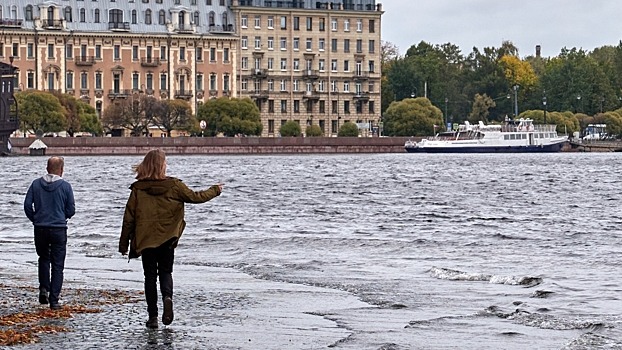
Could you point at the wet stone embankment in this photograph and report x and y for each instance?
(210, 145)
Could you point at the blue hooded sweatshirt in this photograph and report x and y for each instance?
(49, 202)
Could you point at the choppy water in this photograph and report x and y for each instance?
(450, 251)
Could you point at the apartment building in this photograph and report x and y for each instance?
(103, 50)
(314, 62)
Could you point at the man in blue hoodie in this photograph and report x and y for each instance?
(49, 203)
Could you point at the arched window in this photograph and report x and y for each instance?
(162, 17)
(97, 16)
(28, 13)
(196, 18)
(51, 13)
(222, 2)
(134, 17)
(148, 16)
(82, 15)
(1, 12)
(14, 12)
(115, 16)
(182, 18)
(212, 19)
(68, 14)
(225, 21)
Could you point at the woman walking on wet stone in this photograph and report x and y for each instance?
(152, 225)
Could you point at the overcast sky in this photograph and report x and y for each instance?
(552, 24)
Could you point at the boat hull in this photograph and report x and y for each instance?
(556, 147)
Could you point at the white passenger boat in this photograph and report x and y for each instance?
(513, 137)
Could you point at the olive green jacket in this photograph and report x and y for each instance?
(154, 213)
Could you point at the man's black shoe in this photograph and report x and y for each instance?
(55, 306)
(152, 322)
(43, 297)
(167, 315)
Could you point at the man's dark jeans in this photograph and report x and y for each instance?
(51, 246)
(158, 262)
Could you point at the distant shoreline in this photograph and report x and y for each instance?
(209, 145)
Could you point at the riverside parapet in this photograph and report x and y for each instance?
(210, 145)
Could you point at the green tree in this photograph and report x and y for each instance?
(348, 129)
(89, 120)
(481, 108)
(173, 115)
(230, 117)
(135, 113)
(41, 111)
(290, 128)
(313, 131)
(70, 105)
(412, 117)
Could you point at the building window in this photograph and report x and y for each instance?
(98, 51)
(257, 22)
(270, 43)
(283, 63)
(359, 46)
(333, 45)
(283, 43)
(148, 16)
(96, 14)
(333, 65)
(257, 42)
(30, 49)
(321, 44)
(98, 81)
(50, 51)
(163, 52)
(68, 16)
(225, 83)
(69, 83)
(134, 17)
(198, 52)
(244, 42)
(296, 106)
(117, 52)
(346, 107)
(309, 23)
(283, 85)
(283, 106)
(244, 85)
(372, 46)
(271, 122)
(371, 107)
(244, 63)
(372, 26)
(283, 22)
(182, 53)
(333, 24)
(30, 80)
(163, 82)
(271, 106)
(162, 17)
(296, 23)
(296, 44)
(82, 15)
(225, 55)
(135, 53)
(346, 25)
(244, 21)
(322, 106)
(212, 82)
(84, 81)
(322, 24)
(28, 13)
(149, 81)
(309, 44)
(69, 51)
(346, 45)
(270, 22)
(372, 69)
(135, 78)
(270, 63)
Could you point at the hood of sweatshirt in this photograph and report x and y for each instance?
(50, 182)
(154, 187)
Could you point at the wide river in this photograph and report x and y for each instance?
(455, 251)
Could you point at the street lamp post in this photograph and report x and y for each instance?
(602, 100)
(446, 117)
(515, 101)
(544, 104)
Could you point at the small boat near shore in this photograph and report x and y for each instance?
(513, 137)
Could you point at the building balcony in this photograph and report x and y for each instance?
(223, 29)
(259, 94)
(361, 75)
(55, 24)
(258, 73)
(310, 74)
(119, 26)
(362, 96)
(185, 28)
(149, 62)
(311, 95)
(183, 94)
(84, 60)
(118, 93)
(11, 23)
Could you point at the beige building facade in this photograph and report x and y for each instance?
(312, 62)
